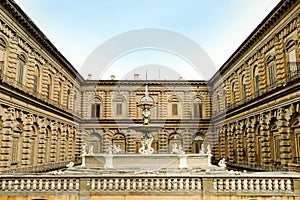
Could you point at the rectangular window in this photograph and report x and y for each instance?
(257, 85)
(48, 91)
(98, 110)
(119, 109)
(20, 75)
(174, 109)
(197, 111)
(271, 75)
(34, 84)
(245, 91)
(292, 63)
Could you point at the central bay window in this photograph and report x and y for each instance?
(96, 108)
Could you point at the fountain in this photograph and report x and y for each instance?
(115, 161)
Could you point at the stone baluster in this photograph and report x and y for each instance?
(93, 184)
(215, 185)
(122, 184)
(59, 185)
(157, 185)
(163, 184)
(110, 184)
(193, 184)
(187, 184)
(16, 185)
(22, 185)
(128, 184)
(77, 185)
(227, 184)
(152, 185)
(140, 185)
(239, 185)
(3, 185)
(99, 184)
(34, 185)
(233, 187)
(117, 184)
(9, 188)
(251, 185)
(263, 185)
(257, 185)
(276, 185)
(181, 184)
(282, 185)
(53, 185)
(71, 184)
(220, 185)
(40, 185)
(28, 185)
(175, 185)
(289, 185)
(270, 185)
(245, 184)
(104, 184)
(134, 184)
(199, 185)
(46, 185)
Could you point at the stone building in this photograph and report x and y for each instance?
(251, 118)
(256, 96)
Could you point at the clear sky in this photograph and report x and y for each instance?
(78, 27)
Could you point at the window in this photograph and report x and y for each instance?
(292, 58)
(36, 79)
(174, 109)
(68, 98)
(271, 70)
(118, 105)
(49, 87)
(256, 81)
(2, 53)
(244, 91)
(174, 106)
(233, 93)
(197, 107)
(218, 103)
(21, 69)
(59, 93)
(95, 108)
(197, 144)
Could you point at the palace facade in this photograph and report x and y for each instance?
(248, 112)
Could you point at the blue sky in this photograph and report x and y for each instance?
(78, 27)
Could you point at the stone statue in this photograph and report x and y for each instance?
(113, 149)
(91, 150)
(146, 144)
(222, 163)
(208, 149)
(146, 116)
(177, 149)
(83, 150)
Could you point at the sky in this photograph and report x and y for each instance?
(78, 28)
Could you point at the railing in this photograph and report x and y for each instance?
(258, 185)
(31, 91)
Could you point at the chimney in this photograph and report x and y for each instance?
(136, 77)
(89, 77)
(112, 77)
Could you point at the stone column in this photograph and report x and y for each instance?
(285, 143)
(42, 141)
(8, 117)
(251, 142)
(239, 143)
(265, 145)
(27, 132)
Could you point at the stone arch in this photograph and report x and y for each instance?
(174, 138)
(197, 142)
(119, 140)
(34, 143)
(174, 107)
(94, 142)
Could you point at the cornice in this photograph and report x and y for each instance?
(17, 14)
(269, 22)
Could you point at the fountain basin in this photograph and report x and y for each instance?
(146, 161)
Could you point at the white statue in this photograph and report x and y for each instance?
(146, 116)
(91, 150)
(202, 149)
(177, 149)
(113, 149)
(83, 150)
(222, 163)
(71, 164)
(208, 149)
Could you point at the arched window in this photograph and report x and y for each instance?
(174, 140)
(21, 66)
(271, 70)
(60, 94)
(16, 151)
(244, 88)
(274, 144)
(49, 87)
(256, 80)
(197, 143)
(233, 93)
(119, 141)
(95, 142)
(292, 58)
(197, 107)
(119, 106)
(34, 145)
(2, 54)
(96, 108)
(68, 98)
(174, 106)
(36, 79)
